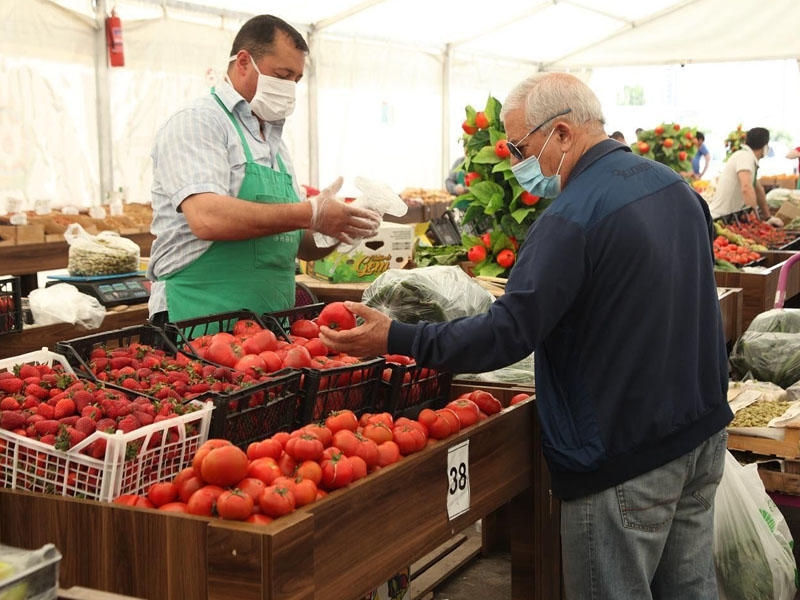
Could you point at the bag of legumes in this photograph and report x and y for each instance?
(106, 253)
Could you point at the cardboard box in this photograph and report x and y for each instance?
(788, 212)
(390, 249)
(30, 234)
(8, 235)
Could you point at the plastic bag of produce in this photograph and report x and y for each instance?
(106, 253)
(769, 350)
(64, 303)
(752, 542)
(437, 293)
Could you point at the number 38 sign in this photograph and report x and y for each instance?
(458, 480)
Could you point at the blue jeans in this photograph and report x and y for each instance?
(648, 538)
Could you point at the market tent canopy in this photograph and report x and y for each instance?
(387, 80)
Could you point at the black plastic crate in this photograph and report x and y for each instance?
(407, 389)
(10, 305)
(181, 333)
(281, 321)
(246, 417)
(252, 411)
(352, 387)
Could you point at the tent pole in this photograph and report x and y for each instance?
(313, 104)
(102, 89)
(447, 58)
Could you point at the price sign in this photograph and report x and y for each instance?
(458, 480)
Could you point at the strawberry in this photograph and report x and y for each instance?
(64, 408)
(68, 437)
(47, 411)
(49, 438)
(30, 402)
(28, 370)
(46, 426)
(129, 383)
(12, 419)
(97, 449)
(11, 385)
(144, 418)
(70, 420)
(91, 411)
(9, 403)
(106, 424)
(128, 423)
(82, 398)
(34, 389)
(86, 425)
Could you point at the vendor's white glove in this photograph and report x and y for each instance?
(338, 221)
(775, 222)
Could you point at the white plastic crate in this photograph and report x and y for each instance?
(35, 572)
(132, 460)
(37, 357)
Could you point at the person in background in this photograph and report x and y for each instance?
(227, 214)
(617, 135)
(737, 185)
(638, 131)
(454, 183)
(795, 153)
(703, 154)
(630, 360)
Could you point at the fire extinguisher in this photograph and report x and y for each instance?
(116, 54)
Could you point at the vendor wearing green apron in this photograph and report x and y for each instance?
(227, 215)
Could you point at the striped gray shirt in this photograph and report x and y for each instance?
(199, 150)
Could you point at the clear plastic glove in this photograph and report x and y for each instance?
(775, 222)
(336, 221)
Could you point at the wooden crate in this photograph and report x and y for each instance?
(339, 548)
(759, 288)
(730, 305)
(788, 447)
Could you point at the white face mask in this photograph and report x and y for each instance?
(274, 98)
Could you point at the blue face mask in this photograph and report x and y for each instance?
(529, 175)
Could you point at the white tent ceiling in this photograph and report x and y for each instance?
(553, 34)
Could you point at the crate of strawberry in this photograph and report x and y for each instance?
(248, 404)
(70, 436)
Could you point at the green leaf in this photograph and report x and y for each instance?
(487, 156)
(504, 166)
(476, 143)
(520, 214)
(486, 191)
(471, 112)
(495, 204)
(492, 109)
(490, 269)
(473, 212)
(469, 241)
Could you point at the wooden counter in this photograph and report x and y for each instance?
(338, 548)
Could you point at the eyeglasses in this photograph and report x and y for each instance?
(514, 148)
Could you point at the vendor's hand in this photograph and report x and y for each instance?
(775, 222)
(337, 219)
(368, 339)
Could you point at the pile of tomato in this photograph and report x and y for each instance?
(276, 475)
(733, 253)
(760, 232)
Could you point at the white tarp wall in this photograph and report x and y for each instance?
(71, 129)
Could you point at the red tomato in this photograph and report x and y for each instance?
(252, 364)
(388, 453)
(528, 199)
(517, 398)
(682, 155)
(359, 465)
(259, 519)
(188, 487)
(204, 449)
(252, 486)
(203, 501)
(268, 447)
(466, 410)
(265, 468)
(224, 466)
(260, 342)
(341, 419)
(337, 470)
(162, 492)
(477, 253)
(486, 239)
(481, 120)
(276, 501)
(309, 469)
(133, 500)
(318, 430)
(305, 328)
(485, 401)
(246, 327)
(305, 492)
(471, 178)
(182, 476)
(315, 347)
(378, 432)
(297, 357)
(287, 464)
(644, 147)
(470, 129)
(658, 130)
(304, 447)
(176, 506)
(235, 505)
(451, 417)
(668, 143)
(336, 316)
(501, 149)
(506, 258)
(346, 441)
(223, 353)
(409, 439)
(272, 361)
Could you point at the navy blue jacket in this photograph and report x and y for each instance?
(614, 291)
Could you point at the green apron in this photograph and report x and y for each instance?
(256, 274)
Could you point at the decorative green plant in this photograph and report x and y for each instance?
(734, 141)
(670, 144)
(496, 208)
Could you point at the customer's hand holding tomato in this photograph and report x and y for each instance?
(368, 339)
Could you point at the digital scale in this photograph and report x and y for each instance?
(110, 290)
